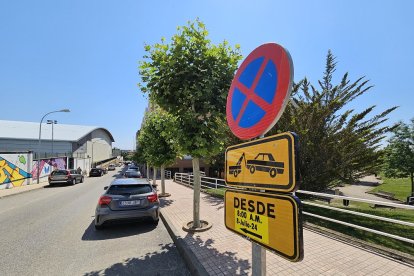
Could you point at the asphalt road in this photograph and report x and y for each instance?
(50, 231)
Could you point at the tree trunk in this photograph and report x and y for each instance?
(197, 189)
(154, 179)
(148, 171)
(163, 179)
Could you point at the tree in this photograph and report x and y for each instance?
(336, 144)
(217, 162)
(156, 142)
(399, 154)
(190, 78)
(138, 156)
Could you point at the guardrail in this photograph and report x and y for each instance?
(216, 183)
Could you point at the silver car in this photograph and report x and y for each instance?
(65, 176)
(127, 199)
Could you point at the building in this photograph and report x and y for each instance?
(61, 147)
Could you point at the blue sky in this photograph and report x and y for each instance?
(84, 54)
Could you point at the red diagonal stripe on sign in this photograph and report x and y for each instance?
(249, 92)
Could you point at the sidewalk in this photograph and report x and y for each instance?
(221, 252)
(22, 189)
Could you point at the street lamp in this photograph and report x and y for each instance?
(40, 141)
(52, 122)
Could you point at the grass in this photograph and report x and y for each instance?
(400, 187)
(216, 192)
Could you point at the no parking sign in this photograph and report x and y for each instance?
(259, 91)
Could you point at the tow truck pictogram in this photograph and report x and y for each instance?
(264, 162)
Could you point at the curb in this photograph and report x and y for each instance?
(193, 264)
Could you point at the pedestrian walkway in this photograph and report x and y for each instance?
(221, 252)
(22, 189)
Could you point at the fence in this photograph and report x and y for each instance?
(215, 183)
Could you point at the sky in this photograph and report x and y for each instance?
(84, 54)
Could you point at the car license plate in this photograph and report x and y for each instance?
(130, 203)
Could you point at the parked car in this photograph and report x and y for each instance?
(132, 174)
(127, 199)
(104, 170)
(65, 176)
(96, 172)
(111, 167)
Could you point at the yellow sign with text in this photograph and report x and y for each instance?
(267, 163)
(273, 221)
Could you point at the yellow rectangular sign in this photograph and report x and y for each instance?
(271, 220)
(267, 163)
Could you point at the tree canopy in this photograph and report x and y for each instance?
(155, 141)
(399, 154)
(337, 144)
(189, 78)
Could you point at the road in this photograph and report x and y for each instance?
(50, 231)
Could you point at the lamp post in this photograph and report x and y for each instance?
(52, 122)
(40, 140)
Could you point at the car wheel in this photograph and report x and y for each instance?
(155, 221)
(81, 181)
(272, 172)
(74, 181)
(252, 169)
(102, 174)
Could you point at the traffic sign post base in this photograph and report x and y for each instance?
(204, 226)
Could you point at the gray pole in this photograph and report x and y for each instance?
(53, 123)
(40, 141)
(92, 155)
(258, 255)
(258, 260)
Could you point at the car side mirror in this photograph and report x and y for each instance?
(106, 188)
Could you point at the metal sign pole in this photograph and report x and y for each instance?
(258, 256)
(259, 260)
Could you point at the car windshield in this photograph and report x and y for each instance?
(59, 172)
(129, 189)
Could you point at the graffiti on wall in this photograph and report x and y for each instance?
(13, 170)
(47, 166)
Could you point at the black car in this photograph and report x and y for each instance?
(96, 172)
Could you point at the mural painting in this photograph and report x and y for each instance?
(47, 166)
(13, 170)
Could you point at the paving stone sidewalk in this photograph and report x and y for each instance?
(221, 252)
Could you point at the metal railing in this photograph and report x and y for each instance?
(167, 174)
(215, 183)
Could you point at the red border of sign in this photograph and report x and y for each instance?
(284, 65)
